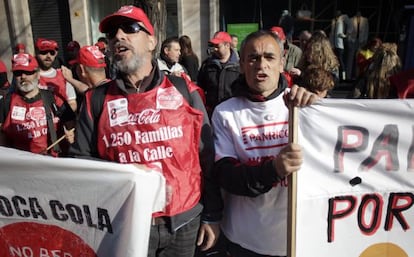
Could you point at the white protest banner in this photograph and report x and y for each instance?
(356, 187)
(65, 207)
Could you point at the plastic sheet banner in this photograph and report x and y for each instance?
(356, 188)
(64, 207)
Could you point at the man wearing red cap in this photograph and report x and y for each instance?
(51, 78)
(31, 117)
(162, 115)
(218, 71)
(90, 69)
(292, 53)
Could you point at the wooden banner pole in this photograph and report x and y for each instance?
(292, 182)
(56, 142)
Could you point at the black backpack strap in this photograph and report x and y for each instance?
(182, 87)
(98, 96)
(49, 104)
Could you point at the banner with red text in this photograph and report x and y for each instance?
(356, 186)
(64, 207)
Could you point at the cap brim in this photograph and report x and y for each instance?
(23, 68)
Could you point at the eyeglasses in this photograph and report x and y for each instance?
(19, 73)
(127, 27)
(211, 45)
(51, 52)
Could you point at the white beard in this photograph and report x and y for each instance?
(130, 66)
(27, 86)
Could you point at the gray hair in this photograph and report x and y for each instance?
(258, 34)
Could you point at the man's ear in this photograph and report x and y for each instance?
(282, 64)
(152, 43)
(82, 69)
(165, 50)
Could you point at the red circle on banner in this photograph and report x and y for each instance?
(40, 240)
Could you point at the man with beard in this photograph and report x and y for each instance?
(218, 71)
(51, 78)
(29, 116)
(159, 112)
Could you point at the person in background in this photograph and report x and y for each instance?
(188, 59)
(169, 57)
(90, 70)
(71, 52)
(291, 55)
(142, 100)
(4, 82)
(69, 69)
(91, 66)
(45, 113)
(50, 78)
(287, 23)
(235, 43)
(318, 81)
(337, 37)
(252, 172)
(319, 53)
(357, 38)
(20, 48)
(102, 44)
(219, 70)
(291, 52)
(364, 56)
(376, 82)
(304, 37)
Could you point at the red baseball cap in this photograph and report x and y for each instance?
(24, 62)
(279, 32)
(91, 56)
(43, 44)
(127, 12)
(220, 37)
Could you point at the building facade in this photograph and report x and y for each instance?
(67, 20)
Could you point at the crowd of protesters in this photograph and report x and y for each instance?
(67, 108)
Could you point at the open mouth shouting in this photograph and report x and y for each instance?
(261, 77)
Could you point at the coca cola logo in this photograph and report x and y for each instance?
(169, 98)
(147, 116)
(37, 113)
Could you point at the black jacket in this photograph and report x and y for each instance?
(190, 63)
(215, 79)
